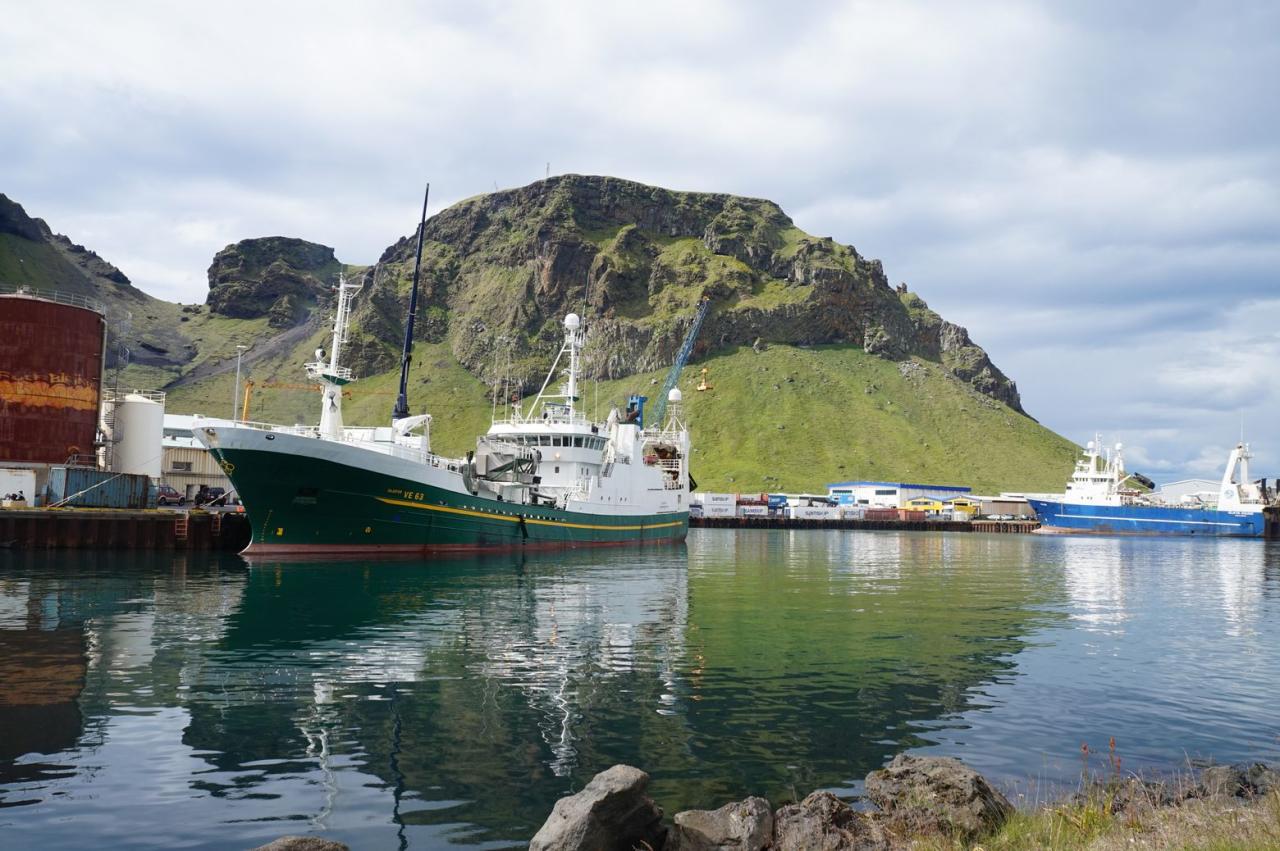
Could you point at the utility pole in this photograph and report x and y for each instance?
(235, 396)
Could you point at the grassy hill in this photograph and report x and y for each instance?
(822, 370)
(783, 419)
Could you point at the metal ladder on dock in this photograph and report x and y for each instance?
(180, 526)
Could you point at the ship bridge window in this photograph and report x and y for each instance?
(577, 442)
(543, 440)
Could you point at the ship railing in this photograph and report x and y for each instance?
(408, 453)
(56, 296)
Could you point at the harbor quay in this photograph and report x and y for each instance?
(106, 529)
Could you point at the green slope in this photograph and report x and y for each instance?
(782, 419)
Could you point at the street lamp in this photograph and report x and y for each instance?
(235, 395)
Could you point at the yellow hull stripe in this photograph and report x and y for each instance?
(448, 509)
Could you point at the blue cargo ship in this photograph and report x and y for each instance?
(1098, 502)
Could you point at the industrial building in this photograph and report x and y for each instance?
(65, 439)
(188, 465)
(890, 494)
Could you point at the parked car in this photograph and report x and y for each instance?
(167, 495)
(214, 496)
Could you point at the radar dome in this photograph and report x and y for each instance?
(1090, 446)
(1119, 446)
(675, 395)
(572, 322)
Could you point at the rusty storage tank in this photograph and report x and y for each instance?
(52, 347)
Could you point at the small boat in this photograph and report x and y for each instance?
(1097, 501)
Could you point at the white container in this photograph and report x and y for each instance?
(139, 430)
(811, 512)
(714, 510)
(753, 511)
(18, 481)
(719, 498)
(852, 512)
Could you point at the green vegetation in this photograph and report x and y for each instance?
(785, 418)
(1213, 824)
(793, 419)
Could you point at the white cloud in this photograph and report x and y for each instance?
(1092, 189)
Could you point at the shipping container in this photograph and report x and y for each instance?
(852, 512)
(18, 481)
(753, 511)
(777, 500)
(813, 512)
(718, 510)
(719, 498)
(85, 487)
(880, 514)
(695, 510)
(908, 516)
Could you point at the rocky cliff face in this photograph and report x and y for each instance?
(501, 270)
(141, 329)
(277, 277)
(14, 220)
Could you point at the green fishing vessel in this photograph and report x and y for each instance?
(544, 475)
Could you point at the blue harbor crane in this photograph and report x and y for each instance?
(686, 349)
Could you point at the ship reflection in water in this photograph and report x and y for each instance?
(166, 700)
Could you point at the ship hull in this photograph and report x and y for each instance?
(1079, 518)
(309, 497)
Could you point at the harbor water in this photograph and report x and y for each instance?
(194, 701)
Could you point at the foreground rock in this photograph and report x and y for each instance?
(928, 794)
(1242, 780)
(302, 843)
(823, 822)
(612, 812)
(741, 826)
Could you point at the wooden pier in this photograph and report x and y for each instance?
(108, 529)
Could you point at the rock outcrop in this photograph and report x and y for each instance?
(309, 842)
(277, 277)
(635, 260)
(823, 822)
(926, 794)
(741, 826)
(612, 812)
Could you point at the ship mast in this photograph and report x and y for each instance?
(402, 402)
(332, 375)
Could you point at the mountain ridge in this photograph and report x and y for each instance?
(500, 271)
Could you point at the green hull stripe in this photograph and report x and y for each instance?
(450, 510)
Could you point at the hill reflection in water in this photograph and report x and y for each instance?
(452, 701)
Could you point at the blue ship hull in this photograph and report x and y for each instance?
(1146, 520)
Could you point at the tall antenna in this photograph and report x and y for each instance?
(402, 403)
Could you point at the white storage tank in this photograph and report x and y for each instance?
(138, 431)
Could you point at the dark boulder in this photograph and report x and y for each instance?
(741, 826)
(823, 822)
(302, 843)
(612, 812)
(927, 794)
(1242, 780)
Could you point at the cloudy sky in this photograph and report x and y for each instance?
(1093, 188)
